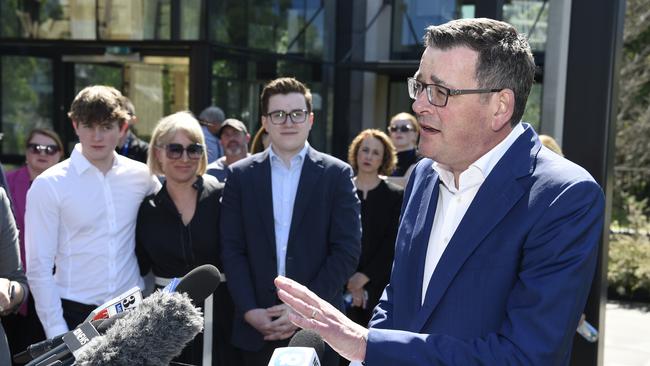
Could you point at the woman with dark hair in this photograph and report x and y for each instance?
(372, 155)
(177, 229)
(43, 149)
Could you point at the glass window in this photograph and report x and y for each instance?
(190, 19)
(96, 74)
(411, 17)
(533, 112)
(27, 99)
(296, 27)
(529, 17)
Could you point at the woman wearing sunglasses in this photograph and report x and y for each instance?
(404, 132)
(177, 228)
(43, 150)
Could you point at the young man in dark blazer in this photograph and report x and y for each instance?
(290, 211)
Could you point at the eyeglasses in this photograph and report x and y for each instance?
(175, 151)
(42, 149)
(296, 115)
(402, 128)
(438, 95)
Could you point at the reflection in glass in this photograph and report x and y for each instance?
(190, 19)
(411, 17)
(96, 74)
(27, 99)
(296, 27)
(529, 17)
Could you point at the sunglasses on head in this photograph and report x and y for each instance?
(403, 128)
(42, 149)
(175, 151)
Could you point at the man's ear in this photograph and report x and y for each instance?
(75, 125)
(504, 108)
(125, 126)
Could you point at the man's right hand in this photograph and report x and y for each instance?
(260, 320)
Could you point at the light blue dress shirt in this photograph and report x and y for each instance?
(215, 151)
(284, 183)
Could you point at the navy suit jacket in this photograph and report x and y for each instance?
(511, 284)
(324, 239)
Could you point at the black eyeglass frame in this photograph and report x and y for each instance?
(196, 154)
(448, 92)
(289, 114)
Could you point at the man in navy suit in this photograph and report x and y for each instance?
(498, 241)
(289, 211)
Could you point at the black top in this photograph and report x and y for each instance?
(404, 160)
(169, 248)
(379, 222)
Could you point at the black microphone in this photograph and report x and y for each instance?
(199, 283)
(72, 342)
(38, 349)
(152, 334)
(305, 348)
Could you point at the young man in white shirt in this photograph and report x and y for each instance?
(80, 217)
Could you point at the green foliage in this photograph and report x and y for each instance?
(629, 254)
(633, 120)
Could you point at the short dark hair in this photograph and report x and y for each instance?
(505, 60)
(388, 161)
(283, 86)
(99, 104)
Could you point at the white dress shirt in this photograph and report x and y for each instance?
(453, 201)
(284, 184)
(83, 222)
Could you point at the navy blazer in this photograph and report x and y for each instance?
(511, 284)
(324, 239)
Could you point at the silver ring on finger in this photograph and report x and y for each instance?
(313, 314)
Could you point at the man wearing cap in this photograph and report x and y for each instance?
(211, 119)
(234, 139)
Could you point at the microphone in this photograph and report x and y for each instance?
(124, 301)
(71, 342)
(198, 283)
(128, 300)
(305, 348)
(152, 334)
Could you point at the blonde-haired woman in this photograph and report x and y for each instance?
(177, 228)
(372, 156)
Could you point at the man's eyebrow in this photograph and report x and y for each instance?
(432, 78)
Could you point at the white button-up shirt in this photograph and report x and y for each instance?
(83, 222)
(453, 201)
(284, 184)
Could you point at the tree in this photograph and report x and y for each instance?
(633, 120)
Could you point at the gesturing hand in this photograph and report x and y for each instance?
(346, 337)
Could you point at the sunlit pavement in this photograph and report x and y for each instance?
(627, 334)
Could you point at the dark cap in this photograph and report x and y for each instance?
(233, 123)
(212, 115)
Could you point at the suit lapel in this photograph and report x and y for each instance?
(312, 169)
(420, 210)
(496, 197)
(263, 189)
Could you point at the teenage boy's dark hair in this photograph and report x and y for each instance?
(283, 86)
(99, 104)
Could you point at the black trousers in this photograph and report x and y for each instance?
(75, 313)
